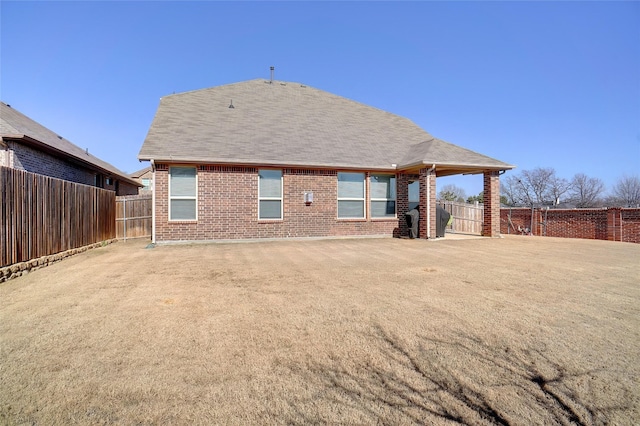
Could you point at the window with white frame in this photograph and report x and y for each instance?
(146, 183)
(351, 195)
(414, 195)
(183, 193)
(270, 194)
(382, 190)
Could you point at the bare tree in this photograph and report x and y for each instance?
(509, 188)
(538, 183)
(557, 188)
(534, 187)
(586, 191)
(627, 191)
(452, 192)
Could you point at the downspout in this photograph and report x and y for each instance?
(433, 167)
(153, 202)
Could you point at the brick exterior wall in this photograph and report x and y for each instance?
(614, 224)
(34, 161)
(123, 188)
(4, 156)
(227, 207)
(22, 157)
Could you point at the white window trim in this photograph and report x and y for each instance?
(182, 197)
(363, 199)
(371, 199)
(281, 198)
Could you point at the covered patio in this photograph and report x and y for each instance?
(436, 158)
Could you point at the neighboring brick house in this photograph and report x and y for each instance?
(27, 145)
(143, 176)
(269, 159)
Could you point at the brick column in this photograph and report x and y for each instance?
(491, 224)
(427, 185)
(402, 204)
(614, 224)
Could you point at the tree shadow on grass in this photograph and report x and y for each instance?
(461, 380)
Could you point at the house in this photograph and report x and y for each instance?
(143, 176)
(271, 159)
(28, 145)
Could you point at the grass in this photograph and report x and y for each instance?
(511, 331)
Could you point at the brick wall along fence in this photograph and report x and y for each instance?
(614, 224)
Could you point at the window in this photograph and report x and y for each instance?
(182, 193)
(351, 195)
(414, 195)
(383, 195)
(98, 180)
(146, 183)
(270, 194)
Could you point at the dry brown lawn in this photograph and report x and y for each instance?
(520, 330)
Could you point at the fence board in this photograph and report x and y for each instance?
(43, 216)
(133, 216)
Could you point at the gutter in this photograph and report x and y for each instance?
(153, 202)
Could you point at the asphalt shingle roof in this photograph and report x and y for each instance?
(14, 124)
(278, 123)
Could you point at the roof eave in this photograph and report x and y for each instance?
(284, 164)
(63, 154)
(461, 168)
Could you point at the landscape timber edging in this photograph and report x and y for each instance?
(23, 268)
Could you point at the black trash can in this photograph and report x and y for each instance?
(442, 218)
(412, 217)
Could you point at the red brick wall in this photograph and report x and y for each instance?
(491, 224)
(588, 223)
(630, 219)
(600, 224)
(228, 207)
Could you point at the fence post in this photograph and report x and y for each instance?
(124, 217)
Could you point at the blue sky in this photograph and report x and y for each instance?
(534, 84)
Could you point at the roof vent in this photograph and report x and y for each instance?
(272, 69)
(231, 104)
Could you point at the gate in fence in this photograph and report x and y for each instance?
(467, 218)
(133, 216)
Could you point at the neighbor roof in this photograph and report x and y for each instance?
(259, 122)
(17, 126)
(139, 173)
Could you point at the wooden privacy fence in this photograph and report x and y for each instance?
(467, 218)
(133, 216)
(41, 215)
